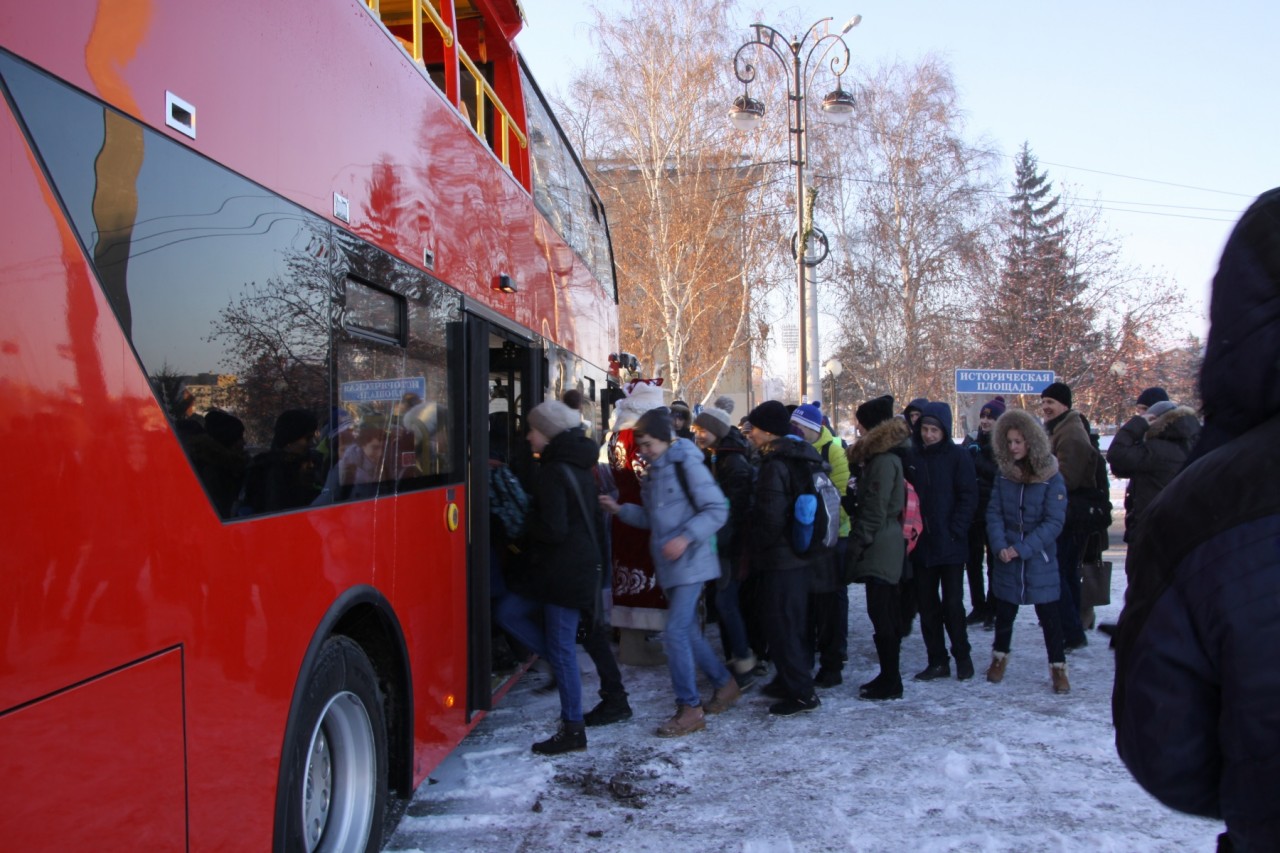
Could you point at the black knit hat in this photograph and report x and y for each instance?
(291, 425)
(875, 412)
(1153, 395)
(771, 417)
(1059, 391)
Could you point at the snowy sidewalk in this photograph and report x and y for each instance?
(951, 766)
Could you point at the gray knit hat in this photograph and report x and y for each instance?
(714, 420)
(551, 417)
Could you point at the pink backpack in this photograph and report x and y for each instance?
(912, 521)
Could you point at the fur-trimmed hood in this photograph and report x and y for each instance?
(1042, 463)
(1171, 425)
(880, 439)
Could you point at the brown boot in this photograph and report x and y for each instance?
(995, 672)
(686, 721)
(1059, 673)
(724, 697)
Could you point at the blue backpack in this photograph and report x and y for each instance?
(815, 522)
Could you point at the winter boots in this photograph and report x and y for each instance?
(964, 668)
(724, 697)
(613, 708)
(934, 671)
(1058, 671)
(888, 684)
(995, 672)
(743, 670)
(686, 721)
(791, 707)
(570, 737)
(828, 677)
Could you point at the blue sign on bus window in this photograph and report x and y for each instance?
(383, 390)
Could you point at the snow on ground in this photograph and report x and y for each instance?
(950, 767)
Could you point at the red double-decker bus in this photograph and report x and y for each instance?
(276, 280)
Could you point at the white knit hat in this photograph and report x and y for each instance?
(551, 417)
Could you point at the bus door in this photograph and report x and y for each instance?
(503, 377)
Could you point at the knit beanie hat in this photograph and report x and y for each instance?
(291, 425)
(1153, 395)
(680, 409)
(224, 428)
(771, 417)
(551, 417)
(1059, 391)
(656, 423)
(875, 412)
(715, 419)
(995, 407)
(808, 416)
(1158, 408)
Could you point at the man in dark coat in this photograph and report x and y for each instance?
(727, 454)
(1078, 464)
(1196, 703)
(1149, 451)
(948, 490)
(784, 459)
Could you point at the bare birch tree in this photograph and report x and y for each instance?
(681, 188)
(910, 199)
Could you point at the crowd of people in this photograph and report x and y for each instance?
(1012, 507)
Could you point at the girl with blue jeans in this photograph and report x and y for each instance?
(683, 508)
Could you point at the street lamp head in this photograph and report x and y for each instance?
(850, 24)
(746, 112)
(838, 103)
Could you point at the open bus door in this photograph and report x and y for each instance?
(504, 381)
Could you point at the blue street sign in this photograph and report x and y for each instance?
(976, 381)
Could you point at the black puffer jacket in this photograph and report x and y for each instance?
(782, 462)
(1149, 456)
(948, 490)
(1197, 693)
(563, 557)
(984, 466)
(735, 477)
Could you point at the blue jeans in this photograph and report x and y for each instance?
(685, 646)
(551, 631)
(733, 630)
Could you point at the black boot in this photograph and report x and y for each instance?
(570, 737)
(613, 708)
(888, 684)
(964, 668)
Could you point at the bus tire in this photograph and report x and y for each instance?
(336, 774)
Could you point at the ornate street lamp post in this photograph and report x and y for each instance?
(810, 246)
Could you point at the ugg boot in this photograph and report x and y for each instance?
(570, 737)
(724, 697)
(995, 672)
(1059, 673)
(687, 720)
(613, 708)
(744, 671)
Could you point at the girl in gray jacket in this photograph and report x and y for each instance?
(683, 508)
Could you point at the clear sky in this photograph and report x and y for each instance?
(1164, 114)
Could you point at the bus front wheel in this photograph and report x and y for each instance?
(336, 793)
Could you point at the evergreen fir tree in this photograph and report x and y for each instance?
(1037, 316)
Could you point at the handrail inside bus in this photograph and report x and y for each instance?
(507, 124)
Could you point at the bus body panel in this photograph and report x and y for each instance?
(115, 553)
(99, 766)
(316, 99)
